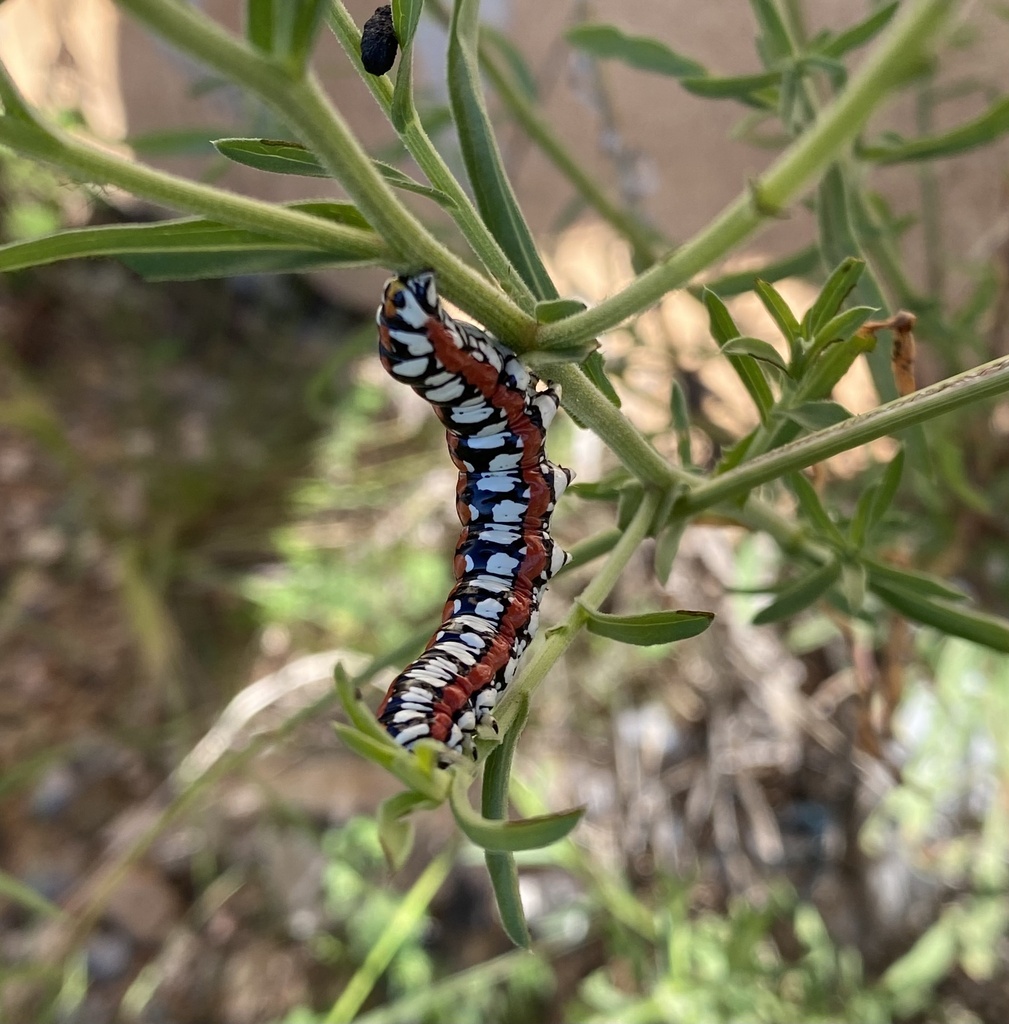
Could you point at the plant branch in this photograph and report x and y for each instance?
(967, 388)
(886, 67)
(98, 166)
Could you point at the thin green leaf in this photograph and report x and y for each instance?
(14, 105)
(813, 510)
(861, 33)
(355, 708)
(274, 155)
(521, 75)
(607, 42)
(595, 370)
(758, 91)
(842, 326)
(504, 880)
(491, 188)
(405, 17)
(860, 520)
(833, 363)
(818, 415)
(836, 289)
(549, 311)
(954, 620)
(799, 264)
(723, 329)
(801, 594)
(886, 491)
(508, 836)
(760, 350)
(979, 132)
(395, 177)
(501, 865)
(680, 415)
(667, 544)
(773, 42)
(780, 312)
(259, 24)
(922, 583)
(395, 833)
(190, 235)
(399, 762)
(649, 628)
(403, 111)
(304, 18)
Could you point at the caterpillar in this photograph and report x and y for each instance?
(495, 414)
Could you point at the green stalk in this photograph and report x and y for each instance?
(967, 388)
(560, 637)
(886, 66)
(402, 923)
(302, 104)
(98, 166)
(430, 161)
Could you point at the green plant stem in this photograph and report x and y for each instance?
(886, 66)
(967, 388)
(560, 637)
(302, 104)
(399, 928)
(89, 163)
(430, 161)
(592, 407)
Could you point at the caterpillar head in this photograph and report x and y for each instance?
(410, 298)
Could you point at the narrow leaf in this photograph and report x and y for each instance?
(259, 24)
(403, 111)
(798, 596)
(860, 34)
(758, 349)
(405, 16)
(649, 628)
(813, 510)
(921, 583)
(667, 545)
(758, 91)
(549, 311)
(780, 312)
(508, 836)
(841, 327)
(834, 292)
(979, 132)
(275, 155)
(399, 762)
(595, 370)
(680, 415)
(607, 42)
(395, 833)
(501, 865)
(723, 329)
(491, 188)
(886, 491)
(305, 17)
(954, 620)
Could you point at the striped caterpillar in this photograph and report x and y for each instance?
(496, 415)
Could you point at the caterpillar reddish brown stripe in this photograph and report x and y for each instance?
(496, 414)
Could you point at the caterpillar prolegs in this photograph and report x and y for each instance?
(496, 414)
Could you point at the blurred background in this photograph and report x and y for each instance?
(210, 494)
